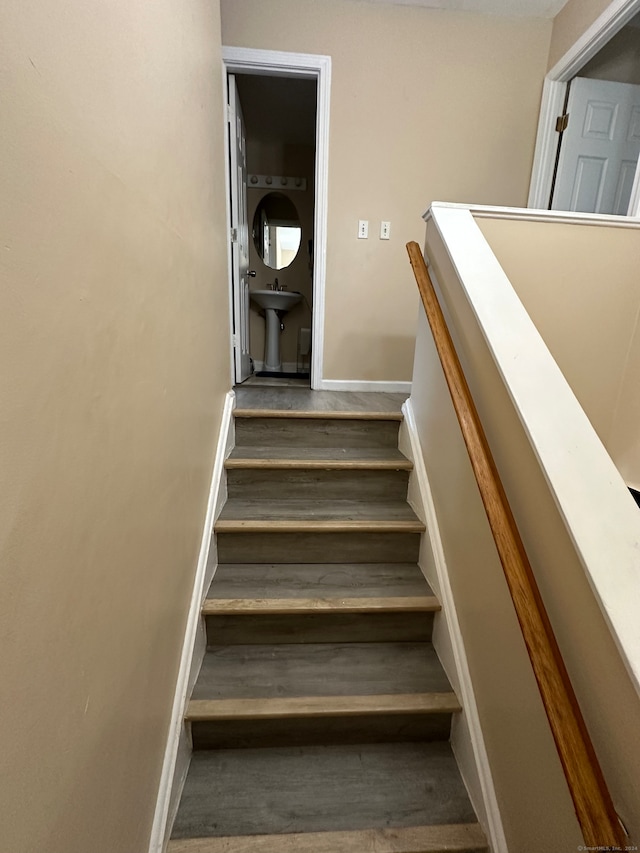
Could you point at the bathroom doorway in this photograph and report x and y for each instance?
(277, 214)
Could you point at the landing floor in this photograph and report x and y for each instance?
(304, 399)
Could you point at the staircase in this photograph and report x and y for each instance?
(321, 715)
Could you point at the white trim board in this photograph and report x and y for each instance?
(362, 385)
(483, 211)
(177, 753)
(467, 730)
(615, 16)
(275, 63)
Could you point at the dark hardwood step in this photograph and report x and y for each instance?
(324, 669)
(232, 792)
(450, 838)
(317, 457)
(318, 545)
(330, 484)
(325, 402)
(298, 429)
(310, 515)
(317, 581)
(281, 695)
(378, 626)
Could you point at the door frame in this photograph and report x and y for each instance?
(617, 14)
(275, 63)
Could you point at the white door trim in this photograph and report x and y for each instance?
(274, 63)
(615, 16)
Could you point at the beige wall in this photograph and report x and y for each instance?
(580, 288)
(420, 110)
(526, 771)
(114, 353)
(570, 23)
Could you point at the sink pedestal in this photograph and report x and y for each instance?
(275, 304)
(272, 341)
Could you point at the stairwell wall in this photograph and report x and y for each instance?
(115, 362)
(578, 524)
(425, 104)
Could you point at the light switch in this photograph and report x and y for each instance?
(385, 230)
(363, 229)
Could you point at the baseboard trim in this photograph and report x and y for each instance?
(468, 723)
(360, 385)
(177, 753)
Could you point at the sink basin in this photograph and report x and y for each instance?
(279, 300)
(275, 304)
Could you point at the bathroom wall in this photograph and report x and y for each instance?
(114, 345)
(425, 104)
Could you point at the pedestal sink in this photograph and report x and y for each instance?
(275, 303)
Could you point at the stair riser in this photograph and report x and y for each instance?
(324, 485)
(321, 788)
(320, 628)
(397, 728)
(315, 432)
(318, 547)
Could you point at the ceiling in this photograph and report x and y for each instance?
(505, 8)
(278, 109)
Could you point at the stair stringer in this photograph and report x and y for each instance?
(467, 739)
(178, 750)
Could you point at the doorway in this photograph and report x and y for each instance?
(598, 46)
(283, 102)
(599, 147)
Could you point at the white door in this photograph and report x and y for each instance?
(239, 235)
(600, 148)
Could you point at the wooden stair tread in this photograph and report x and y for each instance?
(282, 670)
(345, 414)
(317, 526)
(321, 706)
(317, 580)
(321, 788)
(273, 457)
(238, 514)
(282, 606)
(444, 838)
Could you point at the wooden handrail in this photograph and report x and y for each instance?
(591, 798)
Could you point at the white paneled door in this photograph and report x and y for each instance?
(239, 234)
(600, 147)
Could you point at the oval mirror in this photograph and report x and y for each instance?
(276, 230)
